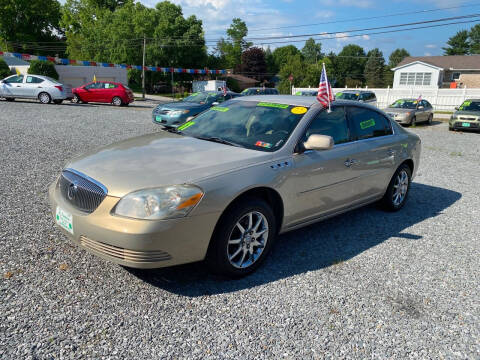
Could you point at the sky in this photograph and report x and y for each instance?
(276, 18)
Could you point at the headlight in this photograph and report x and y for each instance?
(166, 202)
(178, 112)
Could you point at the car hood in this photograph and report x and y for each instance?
(161, 159)
(466, 112)
(398, 111)
(183, 105)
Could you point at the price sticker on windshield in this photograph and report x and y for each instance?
(298, 110)
(367, 124)
(221, 109)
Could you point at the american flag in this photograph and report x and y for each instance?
(419, 99)
(325, 94)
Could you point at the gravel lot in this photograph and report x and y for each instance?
(366, 284)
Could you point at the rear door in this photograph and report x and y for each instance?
(32, 86)
(373, 164)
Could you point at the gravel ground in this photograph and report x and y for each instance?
(366, 284)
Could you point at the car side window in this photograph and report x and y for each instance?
(426, 104)
(34, 80)
(333, 124)
(94, 86)
(368, 123)
(14, 79)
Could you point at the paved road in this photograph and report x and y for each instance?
(366, 284)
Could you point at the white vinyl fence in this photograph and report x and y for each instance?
(441, 99)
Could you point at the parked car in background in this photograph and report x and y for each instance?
(40, 87)
(307, 93)
(364, 96)
(223, 186)
(259, 91)
(410, 111)
(103, 92)
(175, 113)
(467, 116)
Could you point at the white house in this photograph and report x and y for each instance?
(429, 72)
(15, 64)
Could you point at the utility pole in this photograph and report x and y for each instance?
(143, 69)
(171, 72)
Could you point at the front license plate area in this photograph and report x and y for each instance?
(158, 118)
(466, 124)
(64, 219)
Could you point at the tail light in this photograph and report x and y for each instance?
(59, 87)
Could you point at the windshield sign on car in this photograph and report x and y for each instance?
(263, 126)
(469, 105)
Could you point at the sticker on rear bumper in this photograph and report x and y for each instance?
(64, 219)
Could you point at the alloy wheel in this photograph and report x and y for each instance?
(44, 98)
(247, 240)
(117, 101)
(400, 188)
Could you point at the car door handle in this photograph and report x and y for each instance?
(19, 86)
(350, 162)
(391, 152)
(39, 87)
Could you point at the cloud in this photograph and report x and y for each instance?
(342, 37)
(349, 3)
(431, 46)
(324, 14)
(427, 54)
(365, 37)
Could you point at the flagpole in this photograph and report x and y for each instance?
(328, 88)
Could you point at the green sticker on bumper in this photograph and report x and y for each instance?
(273, 105)
(367, 123)
(186, 125)
(222, 109)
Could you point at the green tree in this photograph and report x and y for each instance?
(272, 68)
(312, 51)
(474, 36)
(4, 69)
(100, 34)
(293, 66)
(397, 56)
(350, 63)
(26, 23)
(374, 69)
(283, 53)
(231, 48)
(458, 44)
(45, 68)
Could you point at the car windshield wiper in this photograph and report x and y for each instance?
(172, 130)
(218, 140)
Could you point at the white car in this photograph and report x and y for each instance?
(43, 88)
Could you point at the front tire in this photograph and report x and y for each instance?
(430, 119)
(10, 99)
(398, 189)
(117, 101)
(44, 98)
(76, 99)
(242, 239)
(413, 122)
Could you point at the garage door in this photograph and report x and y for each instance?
(73, 81)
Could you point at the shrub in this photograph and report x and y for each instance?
(4, 69)
(233, 85)
(45, 68)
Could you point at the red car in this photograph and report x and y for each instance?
(103, 92)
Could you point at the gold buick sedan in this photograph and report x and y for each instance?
(222, 186)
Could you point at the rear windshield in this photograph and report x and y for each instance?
(404, 104)
(469, 105)
(254, 125)
(347, 96)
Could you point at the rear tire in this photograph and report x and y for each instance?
(234, 253)
(413, 122)
(117, 101)
(398, 189)
(44, 98)
(430, 119)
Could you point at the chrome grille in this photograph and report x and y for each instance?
(124, 254)
(81, 192)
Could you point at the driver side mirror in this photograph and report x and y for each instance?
(420, 107)
(318, 142)
(215, 103)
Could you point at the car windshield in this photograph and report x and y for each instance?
(469, 105)
(347, 96)
(250, 91)
(404, 104)
(201, 98)
(254, 125)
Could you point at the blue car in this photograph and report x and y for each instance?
(176, 113)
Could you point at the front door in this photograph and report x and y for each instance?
(323, 181)
(11, 87)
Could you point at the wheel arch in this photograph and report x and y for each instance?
(410, 164)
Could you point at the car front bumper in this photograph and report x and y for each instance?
(464, 124)
(137, 243)
(171, 121)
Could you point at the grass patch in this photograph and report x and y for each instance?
(446, 112)
(456, 153)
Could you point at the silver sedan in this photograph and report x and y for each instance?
(411, 111)
(223, 185)
(43, 88)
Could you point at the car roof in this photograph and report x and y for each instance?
(306, 101)
(356, 91)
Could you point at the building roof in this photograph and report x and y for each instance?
(451, 62)
(242, 78)
(14, 61)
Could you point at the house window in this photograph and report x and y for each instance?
(455, 76)
(417, 79)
